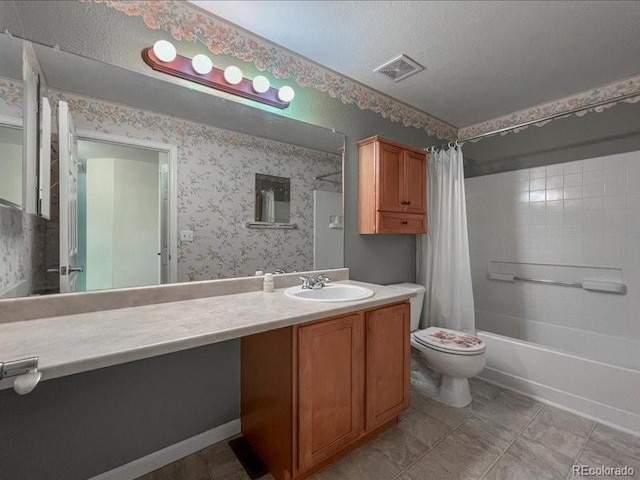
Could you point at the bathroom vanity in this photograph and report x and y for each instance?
(314, 391)
(318, 378)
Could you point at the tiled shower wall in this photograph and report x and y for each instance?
(578, 213)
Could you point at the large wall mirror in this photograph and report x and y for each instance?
(154, 182)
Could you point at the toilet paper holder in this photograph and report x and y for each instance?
(25, 373)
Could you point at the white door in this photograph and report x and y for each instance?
(68, 200)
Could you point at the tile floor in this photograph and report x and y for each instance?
(501, 435)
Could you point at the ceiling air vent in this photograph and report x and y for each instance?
(399, 68)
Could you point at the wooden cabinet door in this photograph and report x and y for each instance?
(415, 182)
(388, 363)
(389, 198)
(330, 387)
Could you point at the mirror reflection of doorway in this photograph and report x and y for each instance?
(123, 215)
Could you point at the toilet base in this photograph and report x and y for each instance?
(454, 391)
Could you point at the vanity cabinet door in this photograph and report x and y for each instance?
(330, 387)
(388, 362)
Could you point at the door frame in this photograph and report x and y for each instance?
(172, 154)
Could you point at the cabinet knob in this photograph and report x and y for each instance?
(404, 222)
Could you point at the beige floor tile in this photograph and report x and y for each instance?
(332, 472)
(459, 456)
(191, 468)
(425, 428)
(510, 410)
(364, 463)
(619, 441)
(550, 454)
(483, 392)
(399, 446)
(488, 432)
(519, 463)
(596, 454)
(550, 434)
(563, 420)
(448, 415)
(418, 399)
(221, 462)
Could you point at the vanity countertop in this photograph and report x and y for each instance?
(70, 344)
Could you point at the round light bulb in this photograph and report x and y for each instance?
(261, 84)
(286, 93)
(233, 75)
(201, 64)
(165, 51)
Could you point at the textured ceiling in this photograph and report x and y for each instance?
(482, 59)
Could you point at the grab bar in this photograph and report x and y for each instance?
(608, 287)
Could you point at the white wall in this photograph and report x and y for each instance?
(123, 229)
(578, 213)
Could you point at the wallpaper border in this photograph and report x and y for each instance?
(610, 91)
(188, 23)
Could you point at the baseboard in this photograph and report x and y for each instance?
(155, 460)
(622, 420)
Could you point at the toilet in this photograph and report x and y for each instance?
(456, 355)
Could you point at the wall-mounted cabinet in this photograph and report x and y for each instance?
(393, 187)
(312, 392)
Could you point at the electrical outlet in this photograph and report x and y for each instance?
(186, 235)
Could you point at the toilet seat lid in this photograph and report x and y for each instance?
(450, 340)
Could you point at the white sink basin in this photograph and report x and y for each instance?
(330, 293)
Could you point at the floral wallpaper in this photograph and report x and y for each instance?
(21, 252)
(216, 183)
(186, 23)
(627, 86)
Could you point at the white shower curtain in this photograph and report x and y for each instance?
(268, 206)
(443, 263)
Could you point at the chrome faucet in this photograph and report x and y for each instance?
(313, 283)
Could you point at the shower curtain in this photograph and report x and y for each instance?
(268, 206)
(443, 263)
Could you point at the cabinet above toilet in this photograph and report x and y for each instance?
(393, 187)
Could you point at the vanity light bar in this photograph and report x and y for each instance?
(163, 57)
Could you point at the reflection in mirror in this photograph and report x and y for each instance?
(195, 226)
(273, 197)
(10, 162)
(11, 122)
(122, 215)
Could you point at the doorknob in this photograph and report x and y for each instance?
(67, 270)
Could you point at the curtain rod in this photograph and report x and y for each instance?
(461, 141)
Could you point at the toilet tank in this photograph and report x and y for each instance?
(416, 302)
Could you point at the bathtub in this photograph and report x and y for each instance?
(603, 391)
